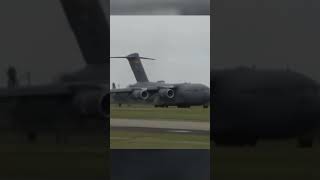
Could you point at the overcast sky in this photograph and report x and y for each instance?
(181, 45)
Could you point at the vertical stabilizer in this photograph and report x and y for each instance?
(90, 27)
(137, 67)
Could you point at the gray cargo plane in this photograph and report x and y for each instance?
(160, 94)
(78, 99)
(252, 104)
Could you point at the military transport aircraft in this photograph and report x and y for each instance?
(160, 94)
(251, 104)
(76, 98)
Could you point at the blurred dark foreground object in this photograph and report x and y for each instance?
(160, 164)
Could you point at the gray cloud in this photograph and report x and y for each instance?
(160, 7)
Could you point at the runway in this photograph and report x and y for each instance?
(187, 127)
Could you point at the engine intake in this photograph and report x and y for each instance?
(167, 93)
(92, 103)
(141, 94)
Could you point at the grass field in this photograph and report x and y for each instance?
(143, 140)
(35, 161)
(269, 160)
(149, 112)
(156, 140)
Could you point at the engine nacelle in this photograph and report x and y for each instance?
(141, 94)
(166, 93)
(92, 103)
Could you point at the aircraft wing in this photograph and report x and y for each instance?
(34, 91)
(123, 90)
(129, 90)
(167, 87)
(150, 88)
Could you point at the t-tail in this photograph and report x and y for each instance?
(90, 26)
(137, 67)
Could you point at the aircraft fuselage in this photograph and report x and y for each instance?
(184, 95)
(253, 104)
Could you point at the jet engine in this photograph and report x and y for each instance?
(141, 94)
(92, 103)
(167, 93)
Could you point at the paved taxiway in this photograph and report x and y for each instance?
(188, 127)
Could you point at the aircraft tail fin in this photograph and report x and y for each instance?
(137, 67)
(90, 27)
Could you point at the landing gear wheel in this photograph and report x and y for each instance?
(305, 142)
(32, 137)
